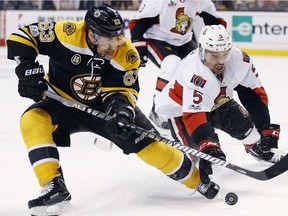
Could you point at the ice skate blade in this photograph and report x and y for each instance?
(52, 210)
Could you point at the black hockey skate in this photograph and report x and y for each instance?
(158, 120)
(270, 157)
(54, 196)
(209, 190)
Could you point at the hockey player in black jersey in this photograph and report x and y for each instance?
(91, 62)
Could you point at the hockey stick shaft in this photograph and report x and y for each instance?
(269, 173)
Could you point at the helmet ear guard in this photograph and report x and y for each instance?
(104, 20)
(214, 38)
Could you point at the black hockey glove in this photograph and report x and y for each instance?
(212, 148)
(141, 47)
(209, 19)
(269, 139)
(31, 80)
(117, 127)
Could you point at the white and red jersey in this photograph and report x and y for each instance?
(195, 87)
(175, 18)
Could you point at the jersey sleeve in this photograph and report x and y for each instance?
(209, 7)
(31, 40)
(147, 16)
(148, 9)
(42, 38)
(252, 93)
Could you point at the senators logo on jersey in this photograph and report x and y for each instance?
(183, 22)
(198, 81)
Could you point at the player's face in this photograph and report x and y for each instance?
(105, 45)
(215, 61)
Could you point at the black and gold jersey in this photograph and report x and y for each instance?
(75, 71)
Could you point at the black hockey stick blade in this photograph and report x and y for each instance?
(269, 173)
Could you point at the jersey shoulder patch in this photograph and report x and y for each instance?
(71, 33)
(131, 59)
(198, 80)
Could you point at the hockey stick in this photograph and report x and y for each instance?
(269, 173)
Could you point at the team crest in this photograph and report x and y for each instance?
(198, 81)
(76, 59)
(86, 88)
(131, 56)
(183, 22)
(69, 28)
(97, 13)
(221, 98)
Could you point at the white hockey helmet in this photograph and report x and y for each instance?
(214, 38)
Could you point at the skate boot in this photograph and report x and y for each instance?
(54, 196)
(209, 190)
(269, 156)
(158, 120)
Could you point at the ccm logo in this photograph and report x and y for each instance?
(34, 71)
(276, 133)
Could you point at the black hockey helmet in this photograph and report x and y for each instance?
(104, 20)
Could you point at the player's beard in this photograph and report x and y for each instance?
(219, 69)
(103, 52)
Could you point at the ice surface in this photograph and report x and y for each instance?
(111, 183)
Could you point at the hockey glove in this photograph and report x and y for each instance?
(118, 127)
(141, 47)
(269, 139)
(209, 19)
(31, 82)
(212, 148)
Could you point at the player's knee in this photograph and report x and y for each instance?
(36, 127)
(169, 66)
(171, 162)
(233, 119)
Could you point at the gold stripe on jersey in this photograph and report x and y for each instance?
(30, 36)
(19, 39)
(131, 60)
(131, 94)
(72, 33)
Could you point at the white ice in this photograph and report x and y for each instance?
(111, 183)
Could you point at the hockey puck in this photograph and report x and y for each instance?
(231, 198)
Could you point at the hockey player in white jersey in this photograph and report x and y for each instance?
(162, 32)
(200, 98)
